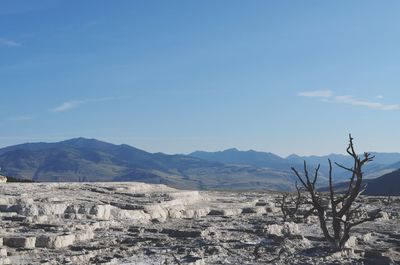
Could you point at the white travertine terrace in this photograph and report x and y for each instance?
(137, 223)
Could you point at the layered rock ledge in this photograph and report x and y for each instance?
(137, 223)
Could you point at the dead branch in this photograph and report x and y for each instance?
(290, 209)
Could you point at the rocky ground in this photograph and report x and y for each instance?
(136, 223)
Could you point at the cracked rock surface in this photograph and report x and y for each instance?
(137, 223)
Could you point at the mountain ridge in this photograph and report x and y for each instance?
(382, 164)
(82, 159)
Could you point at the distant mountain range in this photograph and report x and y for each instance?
(383, 162)
(82, 159)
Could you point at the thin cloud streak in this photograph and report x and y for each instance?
(363, 103)
(9, 43)
(72, 104)
(328, 96)
(317, 94)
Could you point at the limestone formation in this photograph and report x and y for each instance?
(136, 223)
(3, 179)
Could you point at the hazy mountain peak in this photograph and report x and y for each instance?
(82, 141)
(293, 156)
(233, 149)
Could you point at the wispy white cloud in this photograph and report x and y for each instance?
(72, 104)
(317, 93)
(68, 105)
(329, 96)
(9, 43)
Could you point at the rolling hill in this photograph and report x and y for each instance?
(386, 185)
(251, 157)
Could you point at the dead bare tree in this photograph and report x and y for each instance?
(343, 212)
(289, 208)
(388, 201)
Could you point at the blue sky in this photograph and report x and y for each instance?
(178, 76)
